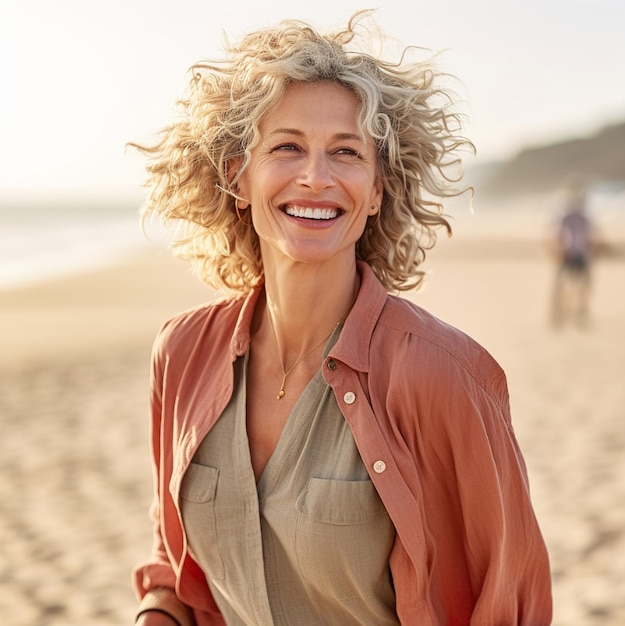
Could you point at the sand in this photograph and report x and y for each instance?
(76, 485)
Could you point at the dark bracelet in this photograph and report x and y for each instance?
(158, 611)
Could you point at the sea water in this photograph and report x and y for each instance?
(41, 242)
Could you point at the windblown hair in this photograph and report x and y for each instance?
(409, 117)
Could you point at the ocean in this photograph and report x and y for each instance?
(41, 242)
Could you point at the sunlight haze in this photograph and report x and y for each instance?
(80, 79)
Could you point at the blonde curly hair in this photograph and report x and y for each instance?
(410, 118)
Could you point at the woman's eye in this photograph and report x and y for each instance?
(285, 147)
(348, 151)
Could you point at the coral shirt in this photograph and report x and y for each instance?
(428, 408)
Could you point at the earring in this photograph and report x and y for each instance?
(372, 223)
(238, 210)
(234, 195)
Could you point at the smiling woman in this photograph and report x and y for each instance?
(405, 112)
(312, 179)
(325, 452)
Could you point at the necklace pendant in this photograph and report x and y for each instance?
(280, 394)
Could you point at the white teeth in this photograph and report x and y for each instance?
(309, 213)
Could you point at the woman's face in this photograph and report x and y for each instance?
(312, 181)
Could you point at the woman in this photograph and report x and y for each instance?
(324, 452)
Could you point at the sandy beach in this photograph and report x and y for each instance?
(76, 484)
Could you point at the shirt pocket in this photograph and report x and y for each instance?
(197, 505)
(343, 536)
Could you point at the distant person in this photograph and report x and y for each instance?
(325, 452)
(575, 245)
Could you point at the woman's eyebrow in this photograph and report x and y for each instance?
(299, 133)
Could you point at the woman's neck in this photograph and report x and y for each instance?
(303, 304)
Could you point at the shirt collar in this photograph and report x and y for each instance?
(241, 337)
(352, 347)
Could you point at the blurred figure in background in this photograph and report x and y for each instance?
(575, 245)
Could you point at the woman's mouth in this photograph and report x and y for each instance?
(310, 213)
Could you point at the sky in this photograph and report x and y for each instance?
(80, 78)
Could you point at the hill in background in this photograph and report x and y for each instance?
(598, 160)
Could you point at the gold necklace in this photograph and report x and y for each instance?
(287, 372)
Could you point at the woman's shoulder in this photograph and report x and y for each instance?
(422, 337)
(188, 324)
(406, 316)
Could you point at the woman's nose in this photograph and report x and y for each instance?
(316, 172)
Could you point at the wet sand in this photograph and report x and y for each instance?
(76, 486)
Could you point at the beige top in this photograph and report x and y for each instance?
(307, 545)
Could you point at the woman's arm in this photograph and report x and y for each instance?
(155, 580)
(507, 557)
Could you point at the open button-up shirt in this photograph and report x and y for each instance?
(429, 411)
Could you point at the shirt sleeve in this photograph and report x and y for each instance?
(155, 580)
(507, 565)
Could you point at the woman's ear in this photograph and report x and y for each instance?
(376, 196)
(233, 167)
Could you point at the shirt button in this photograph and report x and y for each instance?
(349, 397)
(332, 364)
(379, 467)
